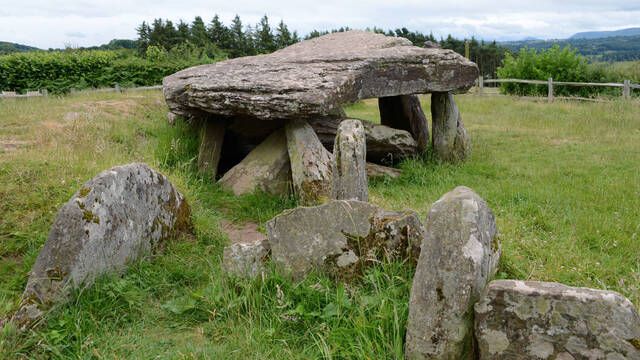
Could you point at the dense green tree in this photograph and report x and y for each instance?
(199, 34)
(264, 38)
(219, 34)
(284, 37)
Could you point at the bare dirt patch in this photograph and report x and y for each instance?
(240, 234)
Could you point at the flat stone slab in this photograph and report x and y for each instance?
(266, 168)
(541, 320)
(342, 237)
(314, 78)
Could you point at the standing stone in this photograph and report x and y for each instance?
(121, 215)
(211, 137)
(450, 139)
(266, 168)
(538, 320)
(404, 112)
(349, 165)
(342, 237)
(310, 163)
(459, 254)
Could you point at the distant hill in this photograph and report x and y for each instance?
(8, 47)
(606, 34)
(617, 48)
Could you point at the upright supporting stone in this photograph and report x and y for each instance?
(404, 112)
(458, 256)
(310, 163)
(266, 168)
(450, 139)
(350, 165)
(211, 137)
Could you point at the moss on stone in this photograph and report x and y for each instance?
(84, 191)
(88, 216)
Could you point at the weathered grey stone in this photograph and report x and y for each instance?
(450, 139)
(376, 171)
(245, 259)
(117, 217)
(538, 320)
(384, 144)
(310, 163)
(341, 236)
(387, 145)
(459, 254)
(211, 138)
(266, 168)
(314, 78)
(349, 165)
(405, 112)
(248, 251)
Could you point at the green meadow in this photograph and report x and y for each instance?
(563, 180)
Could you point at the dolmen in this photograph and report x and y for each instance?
(242, 106)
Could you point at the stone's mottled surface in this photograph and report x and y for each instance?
(314, 78)
(450, 139)
(459, 255)
(117, 217)
(538, 320)
(245, 259)
(387, 145)
(341, 236)
(310, 163)
(248, 251)
(266, 168)
(377, 171)
(211, 138)
(349, 166)
(405, 112)
(384, 144)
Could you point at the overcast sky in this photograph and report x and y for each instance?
(51, 23)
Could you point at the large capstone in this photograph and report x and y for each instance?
(314, 78)
(349, 166)
(342, 237)
(266, 168)
(310, 163)
(119, 216)
(458, 257)
(539, 320)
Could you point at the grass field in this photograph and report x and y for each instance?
(563, 180)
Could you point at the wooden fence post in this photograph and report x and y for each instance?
(480, 84)
(626, 90)
(550, 85)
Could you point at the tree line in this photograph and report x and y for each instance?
(238, 39)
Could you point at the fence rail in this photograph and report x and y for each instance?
(626, 86)
(43, 92)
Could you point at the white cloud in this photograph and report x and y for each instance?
(48, 23)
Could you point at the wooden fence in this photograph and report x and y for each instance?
(13, 94)
(626, 86)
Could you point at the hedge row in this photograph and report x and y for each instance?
(61, 71)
